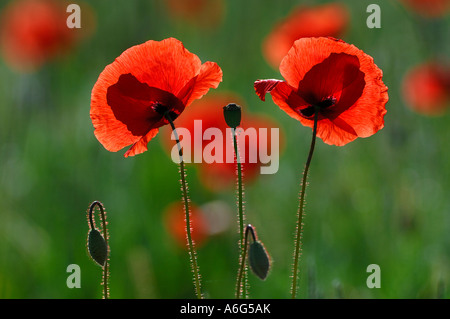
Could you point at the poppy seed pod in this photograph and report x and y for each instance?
(232, 114)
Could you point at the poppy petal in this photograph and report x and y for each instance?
(308, 52)
(366, 115)
(129, 115)
(262, 87)
(336, 132)
(129, 100)
(112, 133)
(165, 64)
(300, 60)
(331, 77)
(141, 145)
(288, 100)
(210, 76)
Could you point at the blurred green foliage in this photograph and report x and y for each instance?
(381, 200)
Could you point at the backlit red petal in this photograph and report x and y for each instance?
(141, 145)
(262, 87)
(149, 73)
(331, 77)
(209, 77)
(336, 132)
(166, 64)
(320, 67)
(288, 100)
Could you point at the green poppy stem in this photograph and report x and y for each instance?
(242, 268)
(241, 284)
(299, 227)
(191, 246)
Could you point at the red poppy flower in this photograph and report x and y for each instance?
(336, 77)
(429, 8)
(324, 20)
(175, 224)
(147, 81)
(426, 88)
(34, 31)
(221, 175)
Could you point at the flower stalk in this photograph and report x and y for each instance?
(98, 244)
(299, 227)
(242, 269)
(240, 288)
(232, 115)
(184, 190)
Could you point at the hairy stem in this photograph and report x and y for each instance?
(241, 285)
(184, 189)
(299, 228)
(105, 236)
(242, 268)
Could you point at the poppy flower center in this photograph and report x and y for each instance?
(322, 105)
(164, 110)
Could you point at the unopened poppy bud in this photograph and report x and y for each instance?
(259, 259)
(97, 247)
(232, 114)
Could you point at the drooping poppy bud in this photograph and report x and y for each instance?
(98, 249)
(259, 259)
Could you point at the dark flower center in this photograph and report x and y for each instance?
(164, 110)
(322, 105)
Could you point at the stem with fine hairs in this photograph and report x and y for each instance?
(242, 268)
(299, 228)
(241, 284)
(105, 236)
(184, 190)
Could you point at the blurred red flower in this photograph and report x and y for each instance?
(213, 175)
(34, 31)
(426, 88)
(176, 226)
(428, 8)
(205, 13)
(339, 79)
(133, 93)
(330, 19)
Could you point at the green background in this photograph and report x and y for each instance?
(382, 200)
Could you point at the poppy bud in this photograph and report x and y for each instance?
(259, 259)
(97, 247)
(232, 114)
